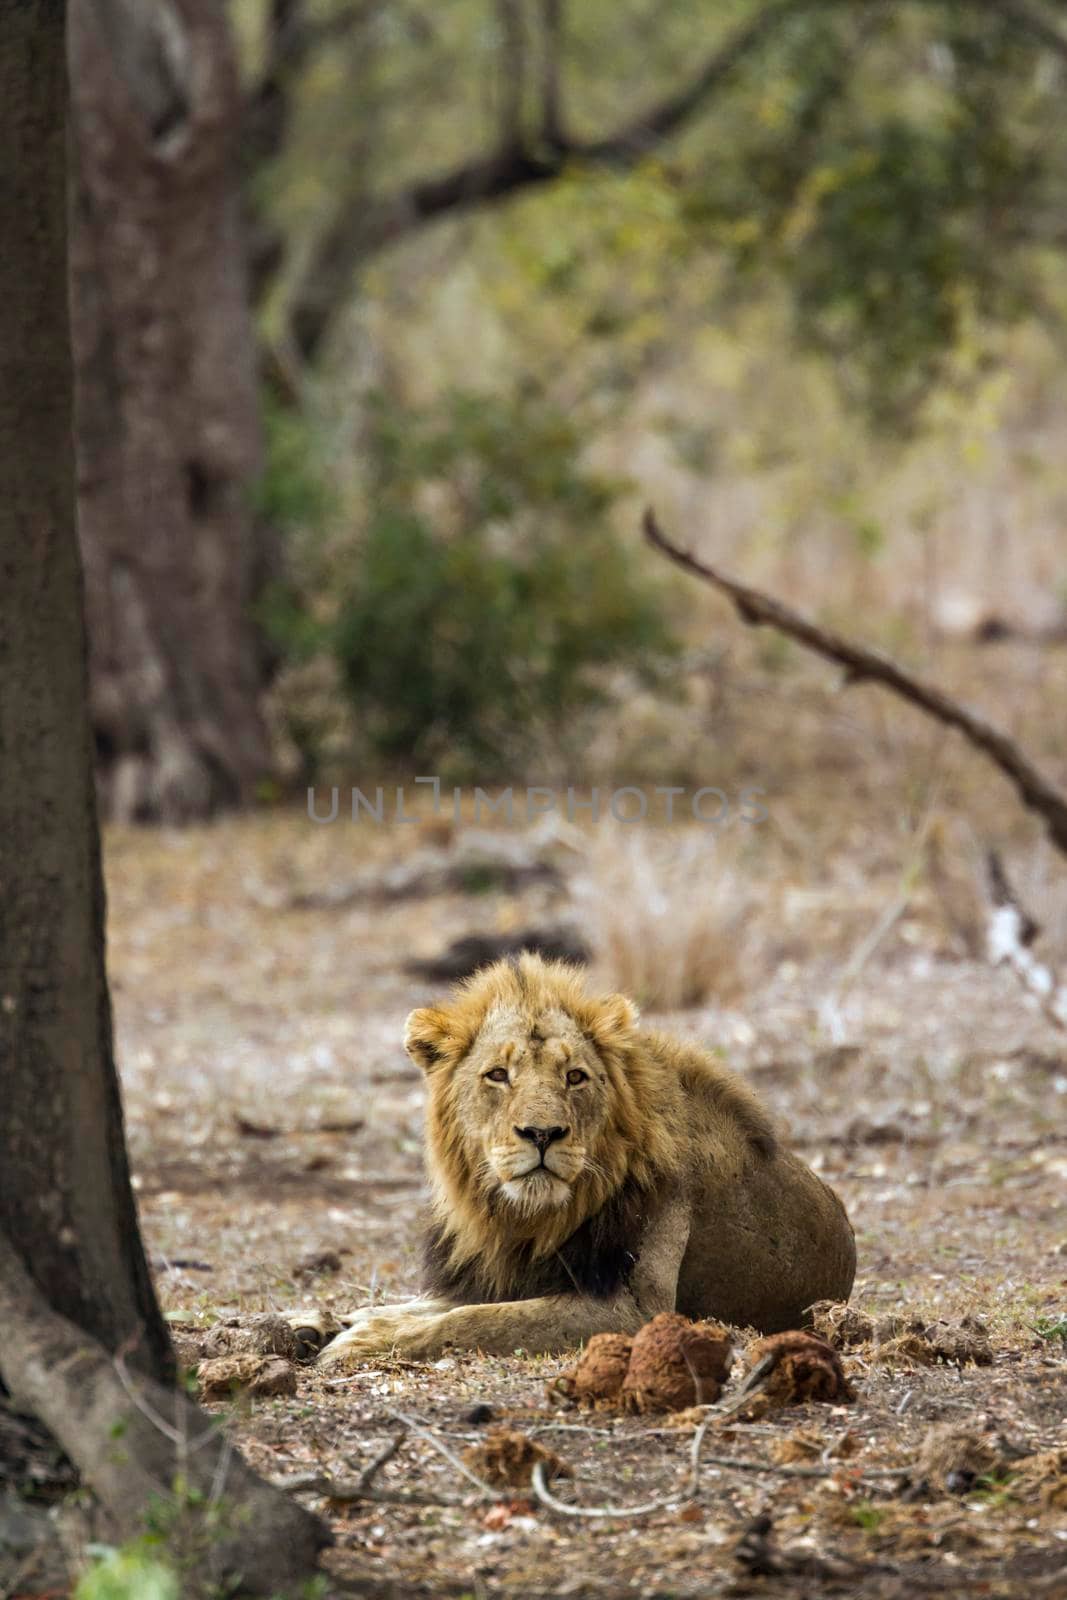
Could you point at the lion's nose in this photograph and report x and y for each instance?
(542, 1137)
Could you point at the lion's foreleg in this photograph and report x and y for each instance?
(422, 1330)
(547, 1325)
(539, 1327)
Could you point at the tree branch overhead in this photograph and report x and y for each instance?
(519, 163)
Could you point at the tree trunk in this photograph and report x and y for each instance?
(77, 1306)
(168, 443)
(224, 1526)
(65, 1200)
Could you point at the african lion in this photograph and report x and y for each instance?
(586, 1174)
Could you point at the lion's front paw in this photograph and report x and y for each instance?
(411, 1330)
(312, 1328)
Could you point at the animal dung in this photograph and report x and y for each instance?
(676, 1363)
(908, 1341)
(840, 1324)
(953, 1460)
(261, 1376)
(263, 1334)
(1044, 1477)
(598, 1378)
(802, 1367)
(505, 1459)
(669, 1365)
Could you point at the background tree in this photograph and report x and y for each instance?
(76, 1300)
(787, 144)
(885, 169)
(168, 433)
(866, 195)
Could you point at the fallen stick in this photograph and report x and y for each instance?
(362, 1488)
(350, 1493)
(454, 1461)
(784, 1469)
(692, 1490)
(547, 1498)
(862, 663)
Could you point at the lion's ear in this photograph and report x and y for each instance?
(614, 1020)
(426, 1034)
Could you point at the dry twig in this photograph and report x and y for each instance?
(361, 1488)
(547, 1498)
(450, 1456)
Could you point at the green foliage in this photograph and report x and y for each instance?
(994, 1489)
(293, 491)
(488, 595)
(886, 270)
(896, 169)
(1052, 1329)
(861, 223)
(132, 1573)
(893, 175)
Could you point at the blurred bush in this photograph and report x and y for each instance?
(481, 611)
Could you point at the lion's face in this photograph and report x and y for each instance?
(527, 1092)
(535, 1100)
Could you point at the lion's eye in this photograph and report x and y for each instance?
(497, 1075)
(576, 1075)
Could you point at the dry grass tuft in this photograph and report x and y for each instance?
(668, 915)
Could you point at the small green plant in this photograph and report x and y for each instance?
(1051, 1328)
(993, 1489)
(166, 1562)
(867, 1516)
(132, 1573)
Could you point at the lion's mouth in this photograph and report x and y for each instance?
(537, 1188)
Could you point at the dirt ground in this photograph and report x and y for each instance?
(273, 1118)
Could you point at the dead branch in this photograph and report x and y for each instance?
(130, 1438)
(454, 1461)
(782, 1468)
(547, 1498)
(862, 663)
(692, 1490)
(341, 1490)
(370, 1472)
(366, 226)
(362, 1487)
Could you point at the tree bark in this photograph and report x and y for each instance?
(65, 1200)
(76, 1300)
(168, 441)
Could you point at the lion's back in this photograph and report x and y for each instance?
(712, 1111)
